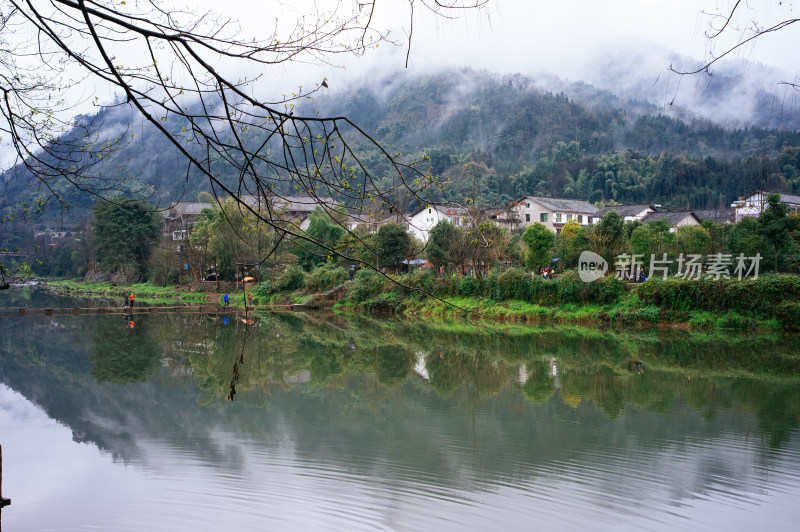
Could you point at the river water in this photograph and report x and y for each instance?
(319, 422)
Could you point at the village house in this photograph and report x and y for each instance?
(421, 222)
(370, 222)
(674, 217)
(294, 209)
(628, 213)
(180, 217)
(718, 216)
(755, 203)
(553, 213)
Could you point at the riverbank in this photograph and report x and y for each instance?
(770, 303)
(144, 292)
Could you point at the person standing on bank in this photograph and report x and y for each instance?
(225, 299)
(130, 300)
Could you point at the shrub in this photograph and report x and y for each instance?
(445, 286)
(386, 302)
(325, 278)
(650, 314)
(788, 313)
(293, 278)
(762, 295)
(570, 287)
(263, 289)
(367, 284)
(511, 284)
(469, 286)
(607, 290)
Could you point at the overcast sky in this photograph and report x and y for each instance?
(569, 39)
(625, 46)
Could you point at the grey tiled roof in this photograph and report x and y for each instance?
(788, 198)
(673, 217)
(563, 205)
(623, 210)
(293, 203)
(715, 215)
(187, 207)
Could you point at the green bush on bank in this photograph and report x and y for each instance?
(293, 278)
(764, 295)
(324, 278)
(366, 285)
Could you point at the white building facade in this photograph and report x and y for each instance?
(553, 213)
(755, 203)
(421, 222)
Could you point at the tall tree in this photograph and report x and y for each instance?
(440, 243)
(775, 224)
(124, 232)
(540, 240)
(393, 244)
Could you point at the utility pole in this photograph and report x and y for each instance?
(3, 502)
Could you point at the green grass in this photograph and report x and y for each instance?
(144, 292)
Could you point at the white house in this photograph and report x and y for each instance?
(421, 222)
(755, 203)
(553, 213)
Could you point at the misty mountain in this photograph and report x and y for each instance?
(492, 138)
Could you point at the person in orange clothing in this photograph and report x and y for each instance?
(130, 300)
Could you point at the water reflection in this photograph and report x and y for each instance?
(350, 423)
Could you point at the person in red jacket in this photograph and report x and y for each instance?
(130, 300)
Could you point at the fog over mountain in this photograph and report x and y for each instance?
(527, 135)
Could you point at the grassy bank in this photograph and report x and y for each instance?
(771, 302)
(144, 292)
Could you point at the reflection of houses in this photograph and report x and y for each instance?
(755, 203)
(420, 367)
(553, 213)
(675, 218)
(180, 217)
(421, 222)
(628, 213)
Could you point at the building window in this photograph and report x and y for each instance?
(528, 205)
(527, 217)
(580, 218)
(543, 217)
(429, 211)
(569, 217)
(558, 217)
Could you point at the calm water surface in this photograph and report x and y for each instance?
(295, 422)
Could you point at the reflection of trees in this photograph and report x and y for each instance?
(539, 386)
(594, 366)
(453, 370)
(392, 364)
(123, 355)
(236, 357)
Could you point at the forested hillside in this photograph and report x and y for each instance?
(490, 139)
